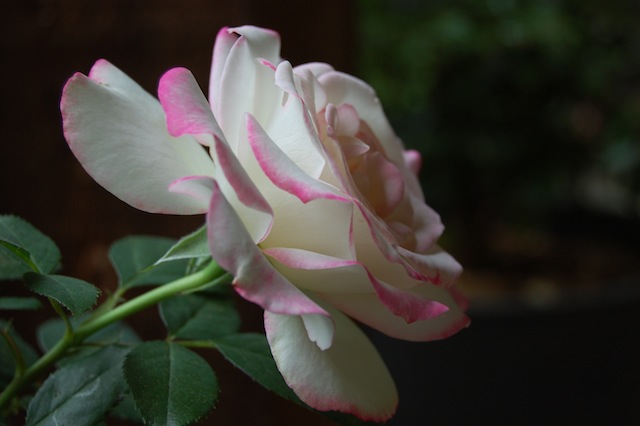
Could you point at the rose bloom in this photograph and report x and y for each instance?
(311, 202)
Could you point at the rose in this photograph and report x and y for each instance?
(312, 204)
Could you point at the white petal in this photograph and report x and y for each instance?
(350, 376)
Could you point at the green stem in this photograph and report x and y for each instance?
(31, 373)
(150, 298)
(71, 338)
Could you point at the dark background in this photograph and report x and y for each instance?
(527, 114)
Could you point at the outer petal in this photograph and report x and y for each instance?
(368, 309)
(350, 376)
(255, 279)
(188, 113)
(118, 133)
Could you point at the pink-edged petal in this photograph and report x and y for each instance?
(377, 246)
(350, 376)
(368, 309)
(438, 266)
(255, 279)
(242, 193)
(303, 259)
(198, 187)
(282, 171)
(320, 273)
(118, 133)
(342, 88)
(235, 174)
(350, 276)
(188, 113)
(423, 221)
(187, 110)
(375, 241)
(246, 83)
(407, 304)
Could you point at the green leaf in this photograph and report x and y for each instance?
(170, 384)
(76, 295)
(23, 248)
(19, 303)
(195, 317)
(134, 259)
(7, 358)
(194, 245)
(250, 353)
(80, 392)
(126, 410)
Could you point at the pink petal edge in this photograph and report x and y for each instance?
(255, 279)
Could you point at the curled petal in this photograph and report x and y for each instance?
(349, 376)
(438, 266)
(332, 275)
(320, 273)
(186, 108)
(369, 309)
(406, 303)
(342, 88)
(282, 171)
(235, 174)
(118, 133)
(255, 279)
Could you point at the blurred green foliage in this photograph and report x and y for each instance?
(519, 107)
